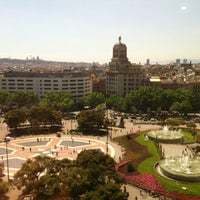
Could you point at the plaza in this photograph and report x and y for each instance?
(69, 146)
(21, 149)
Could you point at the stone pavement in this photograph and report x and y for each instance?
(23, 148)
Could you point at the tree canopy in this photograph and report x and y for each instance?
(46, 178)
(60, 101)
(36, 116)
(94, 99)
(91, 119)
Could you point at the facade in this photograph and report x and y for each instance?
(78, 84)
(98, 82)
(99, 85)
(122, 77)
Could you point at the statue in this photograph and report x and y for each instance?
(120, 39)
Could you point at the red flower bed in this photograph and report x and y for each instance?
(179, 196)
(145, 181)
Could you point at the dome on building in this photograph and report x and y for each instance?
(120, 51)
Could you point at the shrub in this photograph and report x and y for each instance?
(130, 168)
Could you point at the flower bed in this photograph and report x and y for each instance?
(149, 183)
(145, 181)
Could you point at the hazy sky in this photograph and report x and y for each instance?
(86, 30)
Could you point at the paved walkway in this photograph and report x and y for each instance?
(24, 148)
(140, 194)
(130, 128)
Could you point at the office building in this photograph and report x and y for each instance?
(123, 77)
(78, 84)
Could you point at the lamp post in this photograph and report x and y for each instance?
(107, 124)
(7, 139)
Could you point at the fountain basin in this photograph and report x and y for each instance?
(166, 136)
(178, 169)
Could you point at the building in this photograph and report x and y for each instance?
(121, 76)
(148, 62)
(178, 61)
(99, 85)
(78, 84)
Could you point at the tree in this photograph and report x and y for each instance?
(101, 164)
(4, 187)
(4, 98)
(60, 101)
(195, 99)
(78, 182)
(94, 99)
(144, 98)
(184, 107)
(37, 177)
(91, 119)
(107, 192)
(116, 103)
(23, 99)
(49, 179)
(42, 116)
(15, 117)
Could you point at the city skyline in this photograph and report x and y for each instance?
(86, 31)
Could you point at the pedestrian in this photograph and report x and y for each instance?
(30, 149)
(124, 188)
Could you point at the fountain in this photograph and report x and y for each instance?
(185, 167)
(166, 136)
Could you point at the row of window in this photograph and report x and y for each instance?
(72, 91)
(29, 80)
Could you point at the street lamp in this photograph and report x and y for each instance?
(7, 139)
(107, 124)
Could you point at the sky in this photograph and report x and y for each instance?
(86, 30)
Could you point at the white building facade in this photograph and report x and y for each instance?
(78, 84)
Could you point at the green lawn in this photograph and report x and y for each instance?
(188, 137)
(148, 166)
